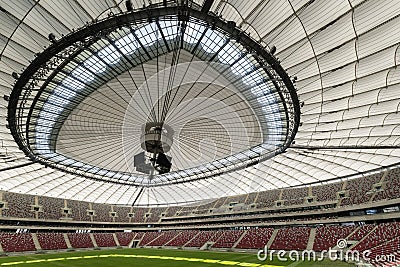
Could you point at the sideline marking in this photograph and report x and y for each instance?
(221, 262)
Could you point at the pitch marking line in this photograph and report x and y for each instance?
(221, 262)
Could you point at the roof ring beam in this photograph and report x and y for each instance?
(70, 45)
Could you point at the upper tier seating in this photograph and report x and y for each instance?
(391, 187)
(171, 211)
(205, 208)
(102, 212)
(294, 196)
(268, 198)
(220, 202)
(52, 208)
(251, 198)
(139, 214)
(18, 205)
(78, 210)
(236, 199)
(122, 213)
(359, 189)
(326, 192)
(155, 214)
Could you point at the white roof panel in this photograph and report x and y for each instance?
(348, 77)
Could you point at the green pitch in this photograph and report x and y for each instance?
(151, 258)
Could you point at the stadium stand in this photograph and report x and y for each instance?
(379, 235)
(268, 198)
(361, 232)
(202, 238)
(102, 212)
(251, 198)
(291, 238)
(255, 238)
(360, 192)
(187, 210)
(78, 210)
(104, 239)
(199, 125)
(51, 241)
(326, 237)
(80, 240)
(227, 238)
(386, 254)
(380, 239)
(122, 213)
(19, 205)
(155, 214)
(182, 238)
(294, 196)
(220, 202)
(205, 208)
(124, 238)
(149, 237)
(139, 214)
(139, 235)
(164, 238)
(171, 211)
(236, 199)
(326, 192)
(391, 188)
(17, 242)
(52, 208)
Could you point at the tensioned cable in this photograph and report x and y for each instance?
(171, 78)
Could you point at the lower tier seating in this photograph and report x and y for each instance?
(327, 237)
(380, 239)
(80, 240)
(291, 238)
(104, 240)
(125, 238)
(51, 241)
(255, 238)
(13, 242)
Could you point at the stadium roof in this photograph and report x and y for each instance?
(344, 54)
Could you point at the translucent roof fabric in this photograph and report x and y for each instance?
(344, 53)
(220, 104)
